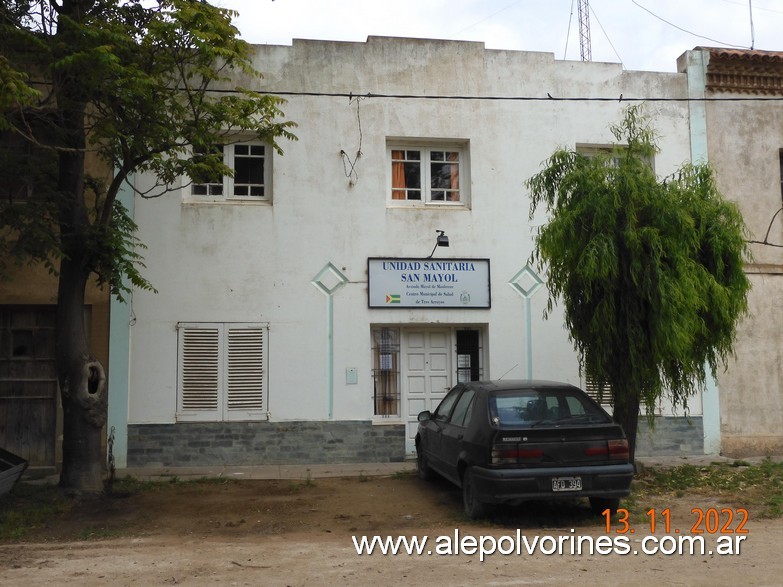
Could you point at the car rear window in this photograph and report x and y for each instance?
(534, 407)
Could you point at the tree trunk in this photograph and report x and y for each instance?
(82, 379)
(82, 388)
(626, 413)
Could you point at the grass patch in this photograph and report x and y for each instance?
(126, 486)
(308, 482)
(758, 487)
(33, 506)
(30, 506)
(403, 475)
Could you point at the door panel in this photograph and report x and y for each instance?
(428, 374)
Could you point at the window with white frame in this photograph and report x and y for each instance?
(425, 174)
(221, 372)
(248, 161)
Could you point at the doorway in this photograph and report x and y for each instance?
(434, 359)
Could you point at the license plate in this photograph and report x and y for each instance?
(566, 484)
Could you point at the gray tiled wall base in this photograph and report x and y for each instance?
(263, 443)
(671, 436)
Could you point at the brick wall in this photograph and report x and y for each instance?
(670, 436)
(284, 443)
(263, 443)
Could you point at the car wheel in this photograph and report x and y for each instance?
(474, 508)
(600, 504)
(422, 468)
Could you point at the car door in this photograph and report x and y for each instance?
(453, 434)
(432, 433)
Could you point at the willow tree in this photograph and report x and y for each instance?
(93, 91)
(649, 272)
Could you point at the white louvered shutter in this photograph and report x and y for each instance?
(199, 372)
(244, 371)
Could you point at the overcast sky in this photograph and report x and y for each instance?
(642, 34)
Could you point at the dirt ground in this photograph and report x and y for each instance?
(282, 532)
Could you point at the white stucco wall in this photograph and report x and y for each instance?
(255, 262)
(744, 145)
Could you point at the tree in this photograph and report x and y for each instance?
(649, 272)
(137, 86)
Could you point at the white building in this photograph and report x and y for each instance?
(296, 318)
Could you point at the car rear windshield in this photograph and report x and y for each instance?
(533, 407)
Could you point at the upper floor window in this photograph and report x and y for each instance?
(611, 153)
(249, 162)
(428, 174)
(780, 157)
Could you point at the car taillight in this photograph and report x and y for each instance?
(614, 449)
(618, 449)
(512, 454)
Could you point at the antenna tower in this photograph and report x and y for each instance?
(584, 30)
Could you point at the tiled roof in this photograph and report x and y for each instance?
(745, 71)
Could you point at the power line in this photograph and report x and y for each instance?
(568, 32)
(679, 28)
(486, 18)
(607, 37)
(547, 98)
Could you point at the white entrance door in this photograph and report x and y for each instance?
(427, 374)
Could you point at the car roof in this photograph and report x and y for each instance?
(514, 384)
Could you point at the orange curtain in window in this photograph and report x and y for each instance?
(398, 175)
(454, 196)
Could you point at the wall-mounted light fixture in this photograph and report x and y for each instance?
(441, 241)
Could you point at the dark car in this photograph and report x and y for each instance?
(506, 442)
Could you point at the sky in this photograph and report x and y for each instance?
(641, 34)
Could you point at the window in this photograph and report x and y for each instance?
(468, 356)
(221, 372)
(386, 371)
(444, 408)
(530, 407)
(591, 388)
(780, 159)
(251, 174)
(607, 151)
(463, 409)
(428, 174)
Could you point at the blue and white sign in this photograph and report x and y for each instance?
(428, 283)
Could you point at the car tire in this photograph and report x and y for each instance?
(474, 508)
(422, 468)
(600, 504)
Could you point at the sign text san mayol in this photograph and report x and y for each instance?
(428, 283)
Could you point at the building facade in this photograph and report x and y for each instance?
(305, 312)
(740, 124)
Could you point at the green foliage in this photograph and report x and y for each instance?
(649, 273)
(122, 86)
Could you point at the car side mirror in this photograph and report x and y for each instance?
(424, 416)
